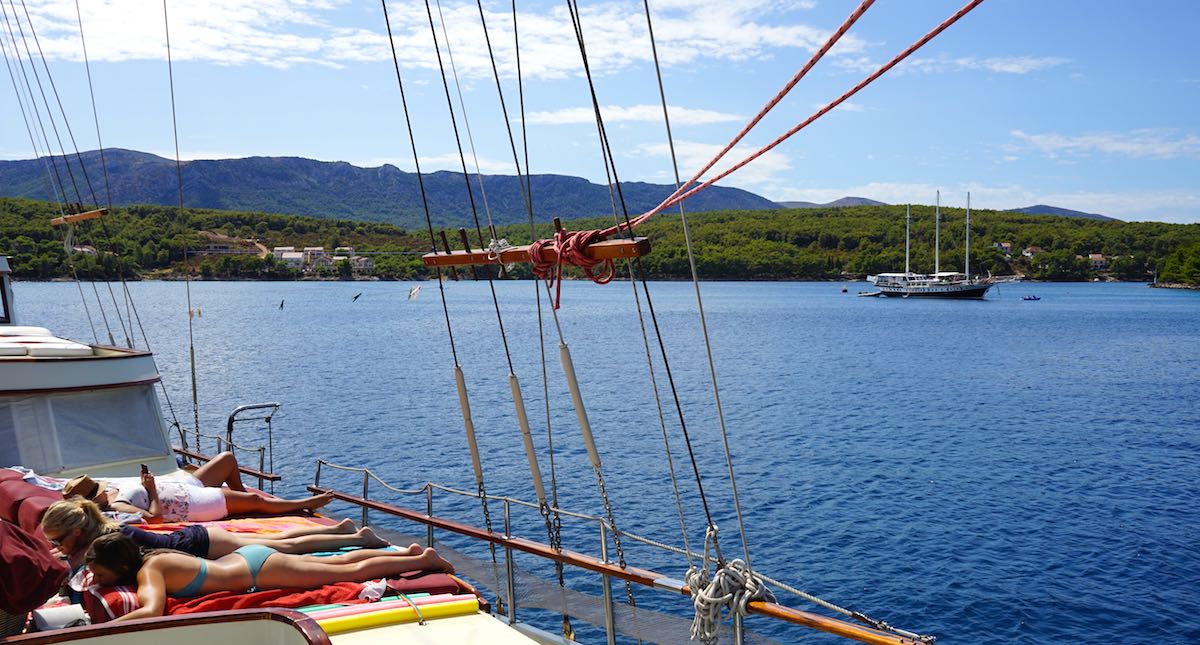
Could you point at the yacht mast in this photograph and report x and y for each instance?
(907, 222)
(937, 240)
(968, 269)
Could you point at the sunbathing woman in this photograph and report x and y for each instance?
(72, 525)
(115, 559)
(197, 498)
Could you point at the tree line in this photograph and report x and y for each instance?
(816, 243)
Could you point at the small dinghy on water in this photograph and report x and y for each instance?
(1031, 297)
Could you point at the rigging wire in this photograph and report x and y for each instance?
(60, 186)
(45, 101)
(187, 277)
(54, 89)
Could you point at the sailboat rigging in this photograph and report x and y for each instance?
(720, 586)
(939, 284)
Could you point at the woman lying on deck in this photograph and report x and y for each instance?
(72, 525)
(115, 559)
(200, 497)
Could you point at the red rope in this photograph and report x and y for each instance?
(817, 55)
(671, 201)
(571, 247)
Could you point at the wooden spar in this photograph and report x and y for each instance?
(78, 217)
(606, 250)
(632, 574)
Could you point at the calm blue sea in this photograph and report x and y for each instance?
(994, 471)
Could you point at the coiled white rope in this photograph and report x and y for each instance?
(732, 588)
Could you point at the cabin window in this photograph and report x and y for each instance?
(56, 432)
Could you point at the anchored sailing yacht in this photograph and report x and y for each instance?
(939, 284)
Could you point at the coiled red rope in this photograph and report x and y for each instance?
(571, 247)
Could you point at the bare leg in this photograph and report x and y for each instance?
(222, 469)
(239, 503)
(282, 571)
(222, 543)
(366, 554)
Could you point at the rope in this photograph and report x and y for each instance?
(571, 247)
(730, 590)
(187, 282)
(821, 112)
(679, 196)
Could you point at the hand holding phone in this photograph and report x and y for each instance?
(145, 469)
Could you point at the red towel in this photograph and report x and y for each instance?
(29, 575)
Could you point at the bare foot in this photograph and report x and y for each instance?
(435, 562)
(369, 539)
(415, 549)
(317, 501)
(345, 526)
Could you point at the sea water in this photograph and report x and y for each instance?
(984, 471)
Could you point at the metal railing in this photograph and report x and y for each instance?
(607, 570)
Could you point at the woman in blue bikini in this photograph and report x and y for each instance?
(115, 559)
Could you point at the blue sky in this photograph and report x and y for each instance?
(1084, 105)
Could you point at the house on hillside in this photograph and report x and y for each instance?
(1032, 251)
(291, 259)
(316, 257)
(1004, 247)
(1098, 261)
(280, 250)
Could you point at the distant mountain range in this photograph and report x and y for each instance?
(336, 189)
(1042, 209)
(837, 203)
(297, 186)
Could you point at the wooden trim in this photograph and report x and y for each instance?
(128, 353)
(308, 628)
(244, 469)
(632, 574)
(78, 217)
(82, 388)
(829, 625)
(606, 250)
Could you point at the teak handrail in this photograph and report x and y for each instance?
(606, 250)
(246, 470)
(632, 574)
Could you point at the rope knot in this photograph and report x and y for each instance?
(732, 588)
(571, 248)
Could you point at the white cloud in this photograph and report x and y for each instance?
(638, 113)
(1141, 144)
(763, 176)
(946, 64)
(285, 33)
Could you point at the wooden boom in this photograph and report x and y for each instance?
(818, 622)
(606, 250)
(78, 217)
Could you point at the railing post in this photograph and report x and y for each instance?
(428, 513)
(366, 479)
(610, 621)
(262, 463)
(317, 476)
(508, 568)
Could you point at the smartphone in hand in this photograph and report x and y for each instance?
(145, 469)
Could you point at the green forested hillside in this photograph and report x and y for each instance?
(814, 243)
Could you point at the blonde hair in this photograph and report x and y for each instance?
(78, 513)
